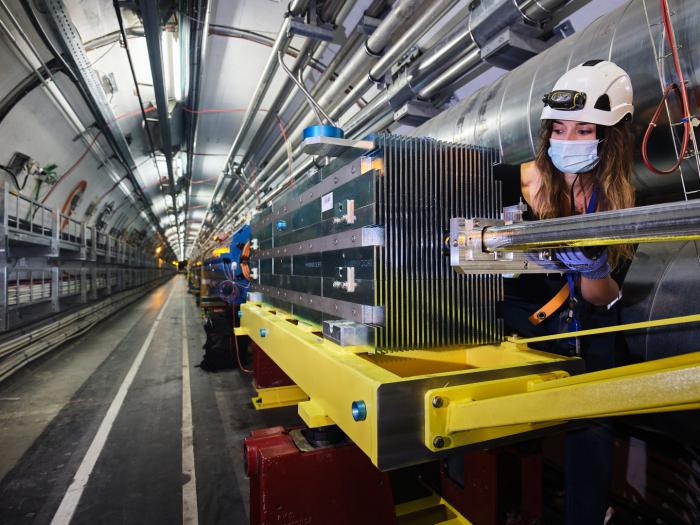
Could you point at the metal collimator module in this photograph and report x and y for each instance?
(364, 240)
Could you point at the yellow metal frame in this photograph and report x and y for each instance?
(418, 512)
(462, 413)
(279, 396)
(333, 376)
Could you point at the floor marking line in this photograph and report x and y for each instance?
(70, 500)
(190, 513)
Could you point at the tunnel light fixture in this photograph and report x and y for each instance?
(170, 49)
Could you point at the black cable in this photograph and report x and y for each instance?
(14, 177)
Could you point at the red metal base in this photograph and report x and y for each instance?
(267, 373)
(335, 485)
(500, 486)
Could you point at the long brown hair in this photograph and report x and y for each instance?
(613, 178)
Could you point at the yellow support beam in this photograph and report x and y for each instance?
(280, 396)
(313, 414)
(431, 510)
(455, 414)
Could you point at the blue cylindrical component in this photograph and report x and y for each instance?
(281, 224)
(263, 332)
(359, 410)
(324, 130)
(240, 313)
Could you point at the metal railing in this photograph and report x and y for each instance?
(28, 216)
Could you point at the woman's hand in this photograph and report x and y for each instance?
(597, 287)
(589, 266)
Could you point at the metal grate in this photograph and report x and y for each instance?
(427, 304)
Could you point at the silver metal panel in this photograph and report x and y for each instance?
(360, 313)
(333, 147)
(344, 175)
(358, 238)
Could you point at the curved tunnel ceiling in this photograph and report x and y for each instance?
(211, 56)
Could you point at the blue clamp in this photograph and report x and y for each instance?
(323, 130)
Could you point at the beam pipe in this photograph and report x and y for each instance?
(675, 221)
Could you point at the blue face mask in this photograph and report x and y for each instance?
(574, 156)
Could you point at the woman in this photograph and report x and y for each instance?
(583, 165)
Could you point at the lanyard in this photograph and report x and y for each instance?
(571, 278)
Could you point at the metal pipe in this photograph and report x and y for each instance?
(505, 115)
(312, 102)
(297, 7)
(259, 94)
(420, 27)
(456, 70)
(445, 50)
(150, 13)
(676, 221)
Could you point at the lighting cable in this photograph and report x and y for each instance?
(683, 92)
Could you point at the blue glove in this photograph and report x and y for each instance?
(589, 266)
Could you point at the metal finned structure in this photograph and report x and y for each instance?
(424, 184)
(363, 240)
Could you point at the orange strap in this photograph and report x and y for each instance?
(552, 306)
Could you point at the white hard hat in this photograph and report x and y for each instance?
(596, 91)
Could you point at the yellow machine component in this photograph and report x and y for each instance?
(360, 391)
(669, 321)
(458, 415)
(431, 510)
(280, 396)
(313, 415)
(221, 251)
(403, 408)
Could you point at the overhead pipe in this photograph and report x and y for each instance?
(428, 18)
(288, 91)
(198, 49)
(505, 115)
(455, 71)
(150, 13)
(298, 7)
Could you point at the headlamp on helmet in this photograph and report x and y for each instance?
(565, 100)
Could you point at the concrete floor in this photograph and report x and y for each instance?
(52, 411)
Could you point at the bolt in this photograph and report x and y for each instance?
(359, 410)
(263, 332)
(437, 402)
(438, 442)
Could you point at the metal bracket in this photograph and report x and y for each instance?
(325, 33)
(347, 333)
(467, 255)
